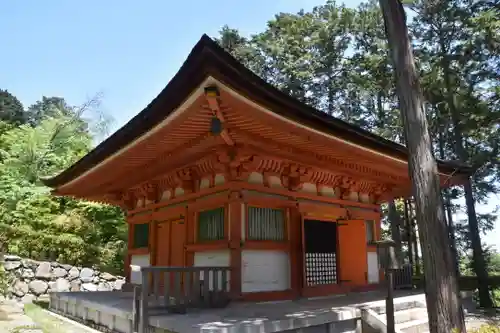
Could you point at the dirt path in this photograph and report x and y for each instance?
(13, 319)
(33, 319)
(479, 318)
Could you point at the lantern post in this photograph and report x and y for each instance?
(389, 261)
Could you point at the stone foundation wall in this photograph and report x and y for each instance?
(31, 280)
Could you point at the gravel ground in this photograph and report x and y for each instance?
(477, 319)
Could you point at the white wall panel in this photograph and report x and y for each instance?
(373, 268)
(141, 260)
(264, 270)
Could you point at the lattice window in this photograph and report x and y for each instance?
(140, 237)
(266, 224)
(370, 231)
(211, 225)
(321, 268)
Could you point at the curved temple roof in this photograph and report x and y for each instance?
(206, 59)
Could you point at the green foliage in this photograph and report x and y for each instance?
(35, 224)
(495, 296)
(48, 107)
(488, 328)
(4, 281)
(11, 109)
(492, 258)
(333, 58)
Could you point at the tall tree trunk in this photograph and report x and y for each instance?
(415, 239)
(451, 230)
(394, 218)
(409, 235)
(380, 112)
(447, 201)
(443, 302)
(479, 263)
(395, 221)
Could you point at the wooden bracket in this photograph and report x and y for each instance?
(212, 96)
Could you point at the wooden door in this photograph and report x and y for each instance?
(163, 244)
(177, 243)
(352, 248)
(170, 240)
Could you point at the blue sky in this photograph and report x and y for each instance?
(128, 50)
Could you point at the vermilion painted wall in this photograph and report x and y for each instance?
(172, 242)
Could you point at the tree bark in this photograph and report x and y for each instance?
(478, 261)
(409, 235)
(395, 221)
(446, 194)
(451, 230)
(443, 302)
(415, 239)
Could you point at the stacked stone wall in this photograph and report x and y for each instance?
(31, 280)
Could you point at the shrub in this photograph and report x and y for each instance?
(488, 328)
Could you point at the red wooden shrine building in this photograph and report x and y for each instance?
(222, 169)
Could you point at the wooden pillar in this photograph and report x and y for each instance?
(127, 259)
(189, 218)
(153, 242)
(296, 255)
(126, 268)
(235, 241)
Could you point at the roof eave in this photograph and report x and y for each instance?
(208, 59)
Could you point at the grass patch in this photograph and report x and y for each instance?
(43, 320)
(42, 304)
(488, 328)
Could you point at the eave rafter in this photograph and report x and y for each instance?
(237, 154)
(347, 166)
(213, 99)
(237, 164)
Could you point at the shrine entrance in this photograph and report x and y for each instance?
(320, 253)
(352, 258)
(335, 256)
(170, 241)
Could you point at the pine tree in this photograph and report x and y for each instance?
(443, 302)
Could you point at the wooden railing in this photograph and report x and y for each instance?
(175, 289)
(465, 282)
(403, 278)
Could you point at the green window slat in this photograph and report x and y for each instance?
(211, 225)
(370, 230)
(141, 235)
(266, 224)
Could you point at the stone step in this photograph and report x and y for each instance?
(398, 307)
(413, 326)
(409, 315)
